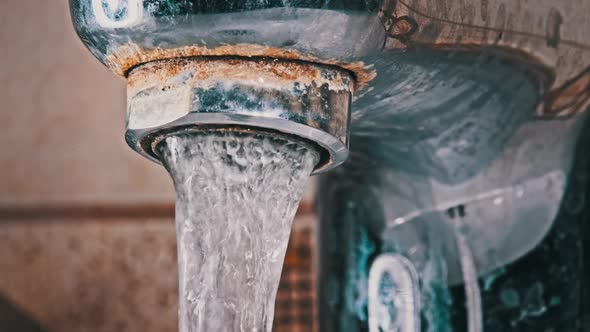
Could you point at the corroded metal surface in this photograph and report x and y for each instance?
(126, 57)
(122, 38)
(296, 98)
(348, 34)
(264, 72)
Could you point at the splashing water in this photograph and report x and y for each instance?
(237, 194)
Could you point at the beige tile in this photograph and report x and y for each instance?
(95, 276)
(109, 275)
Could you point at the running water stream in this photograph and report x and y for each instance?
(237, 194)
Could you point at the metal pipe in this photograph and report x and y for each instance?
(309, 101)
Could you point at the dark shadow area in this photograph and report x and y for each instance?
(14, 319)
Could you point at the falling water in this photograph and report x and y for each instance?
(237, 194)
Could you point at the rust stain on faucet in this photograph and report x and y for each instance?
(209, 71)
(125, 58)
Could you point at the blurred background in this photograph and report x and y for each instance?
(87, 237)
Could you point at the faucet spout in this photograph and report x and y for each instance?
(308, 101)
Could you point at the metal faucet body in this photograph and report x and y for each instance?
(449, 122)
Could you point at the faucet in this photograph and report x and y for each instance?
(446, 129)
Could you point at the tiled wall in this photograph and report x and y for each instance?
(117, 274)
(94, 275)
(86, 230)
